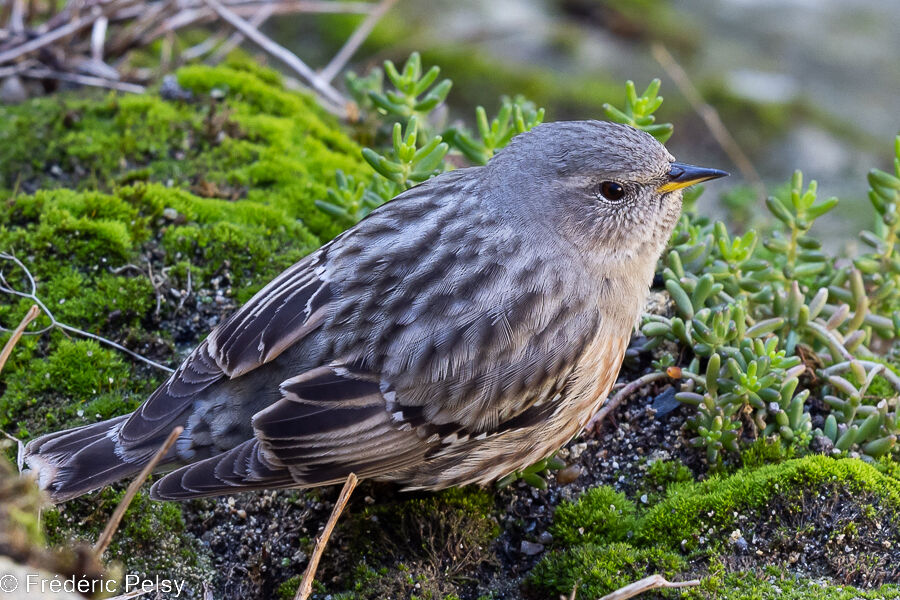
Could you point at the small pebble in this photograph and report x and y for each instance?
(172, 90)
(530, 548)
(577, 449)
(546, 537)
(568, 475)
(12, 90)
(644, 499)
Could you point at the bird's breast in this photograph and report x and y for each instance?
(595, 375)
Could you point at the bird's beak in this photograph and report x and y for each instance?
(682, 175)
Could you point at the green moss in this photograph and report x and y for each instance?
(261, 141)
(432, 540)
(76, 376)
(663, 473)
(701, 516)
(766, 452)
(207, 190)
(150, 540)
(288, 589)
(441, 526)
(690, 509)
(601, 515)
(777, 583)
(600, 569)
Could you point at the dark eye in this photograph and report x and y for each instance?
(612, 190)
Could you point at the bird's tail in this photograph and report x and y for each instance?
(70, 463)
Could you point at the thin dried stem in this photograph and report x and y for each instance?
(614, 402)
(710, 117)
(88, 80)
(306, 583)
(48, 38)
(334, 102)
(17, 17)
(20, 450)
(5, 287)
(113, 524)
(16, 68)
(98, 38)
(30, 316)
(355, 41)
(654, 582)
(237, 38)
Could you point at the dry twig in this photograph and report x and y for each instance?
(113, 524)
(355, 41)
(710, 117)
(614, 402)
(32, 295)
(237, 38)
(334, 102)
(88, 80)
(305, 588)
(654, 582)
(30, 316)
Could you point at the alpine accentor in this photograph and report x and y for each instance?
(466, 329)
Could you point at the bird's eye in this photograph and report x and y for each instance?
(612, 191)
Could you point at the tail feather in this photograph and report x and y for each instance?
(73, 462)
(242, 468)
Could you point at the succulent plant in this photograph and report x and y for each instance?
(772, 324)
(760, 319)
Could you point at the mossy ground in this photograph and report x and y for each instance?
(788, 526)
(145, 220)
(142, 209)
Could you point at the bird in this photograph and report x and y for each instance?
(466, 329)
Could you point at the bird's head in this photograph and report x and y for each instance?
(610, 189)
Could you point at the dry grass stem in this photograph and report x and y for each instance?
(614, 402)
(355, 41)
(121, 86)
(113, 524)
(237, 38)
(710, 117)
(654, 582)
(30, 316)
(306, 583)
(6, 288)
(334, 102)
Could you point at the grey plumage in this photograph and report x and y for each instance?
(466, 329)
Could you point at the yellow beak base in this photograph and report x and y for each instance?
(682, 175)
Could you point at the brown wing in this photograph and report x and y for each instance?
(332, 421)
(285, 310)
